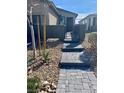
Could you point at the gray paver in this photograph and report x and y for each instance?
(77, 81)
(71, 57)
(85, 85)
(85, 80)
(86, 91)
(78, 87)
(74, 80)
(91, 76)
(61, 86)
(60, 90)
(93, 91)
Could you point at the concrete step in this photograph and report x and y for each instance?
(70, 41)
(73, 59)
(73, 65)
(72, 47)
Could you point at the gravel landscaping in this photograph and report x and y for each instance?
(47, 72)
(90, 45)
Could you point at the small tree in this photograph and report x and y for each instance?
(30, 21)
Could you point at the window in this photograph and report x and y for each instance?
(62, 20)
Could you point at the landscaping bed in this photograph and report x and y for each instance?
(90, 45)
(46, 72)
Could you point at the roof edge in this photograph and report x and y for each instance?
(67, 11)
(88, 16)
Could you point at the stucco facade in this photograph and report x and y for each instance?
(43, 8)
(53, 18)
(52, 13)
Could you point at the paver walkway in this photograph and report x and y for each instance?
(74, 76)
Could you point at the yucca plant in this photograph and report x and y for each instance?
(45, 55)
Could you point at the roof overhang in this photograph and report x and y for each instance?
(75, 14)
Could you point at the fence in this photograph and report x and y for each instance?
(52, 31)
(78, 33)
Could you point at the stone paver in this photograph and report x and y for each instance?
(75, 80)
(71, 57)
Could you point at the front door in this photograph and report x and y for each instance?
(69, 24)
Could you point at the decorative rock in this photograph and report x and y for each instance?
(43, 92)
(30, 71)
(47, 87)
(51, 91)
(53, 86)
(46, 83)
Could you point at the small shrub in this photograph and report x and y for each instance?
(32, 85)
(45, 55)
(91, 49)
(93, 40)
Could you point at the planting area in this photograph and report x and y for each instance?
(90, 45)
(46, 66)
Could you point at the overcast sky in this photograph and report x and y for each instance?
(81, 7)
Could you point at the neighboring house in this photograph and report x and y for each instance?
(90, 22)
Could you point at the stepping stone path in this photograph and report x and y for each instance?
(74, 75)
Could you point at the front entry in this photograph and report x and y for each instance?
(69, 24)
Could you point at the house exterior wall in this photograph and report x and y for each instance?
(67, 14)
(53, 18)
(43, 9)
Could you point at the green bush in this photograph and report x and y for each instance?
(32, 85)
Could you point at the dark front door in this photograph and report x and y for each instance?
(69, 24)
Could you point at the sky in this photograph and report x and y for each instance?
(81, 7)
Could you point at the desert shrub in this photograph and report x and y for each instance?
(32, 85)
(91, 48)
(93, 40)
(45, 55)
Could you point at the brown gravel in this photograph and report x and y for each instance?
(48, 72)
(91, 51)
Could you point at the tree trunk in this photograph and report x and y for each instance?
(38, 29)
(44, 31)
(32, 33)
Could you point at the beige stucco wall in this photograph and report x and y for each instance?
(53, 18)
